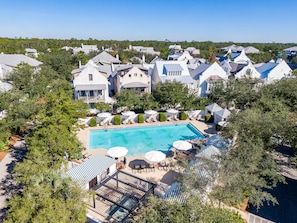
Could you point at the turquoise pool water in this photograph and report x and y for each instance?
(139, 140)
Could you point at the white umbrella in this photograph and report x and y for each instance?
(182, 145)
(128, 113)
(150, 112)
(155, 156)
(172, 111)
(117, 151)
(104, 115)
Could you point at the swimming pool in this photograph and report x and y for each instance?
(139, 140)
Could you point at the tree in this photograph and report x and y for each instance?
(49, 198)
(127, 98)
(191, 210)
(171, 94)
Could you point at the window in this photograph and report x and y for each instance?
(100, 92)
(82, 93)
(92, 93)
(129, 75)
(90, 77)
(140, 75)
(135, 74)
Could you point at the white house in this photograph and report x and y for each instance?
(208, 76)
(242, 58)
(180, 56)
(92, 171)
(9, 61)
(90, 85)
(173, 70)
(248, 71)
(271, 71)
(146, 50)
(31, 52)
(85, 48)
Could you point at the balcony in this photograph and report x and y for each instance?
(92, 99)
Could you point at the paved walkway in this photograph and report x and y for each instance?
(6, 165)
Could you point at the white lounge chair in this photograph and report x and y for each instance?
(175, 118)
(107, 121)
(132, 118)
(152, 118)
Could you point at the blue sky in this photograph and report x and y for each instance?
(175, 20)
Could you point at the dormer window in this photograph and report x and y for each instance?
(172, 70)
(90, 77)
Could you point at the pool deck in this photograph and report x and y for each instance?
(163, 178)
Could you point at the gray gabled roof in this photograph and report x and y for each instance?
(199, 70)
(105, 58)
(214, 107)
(91, 168)
(224, 113)
(13, 60)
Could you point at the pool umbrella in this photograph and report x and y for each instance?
(155, 156)
(150, 112)
(218, 141)
(117, 151)
(182, 145)
(172, 111)
(104, 115)
(128, 113)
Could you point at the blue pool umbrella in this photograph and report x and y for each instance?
(117, 151)
(155, 156)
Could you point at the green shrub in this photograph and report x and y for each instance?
(209, 118)
(117, 120)
(183, 115)
(93, 122)
(162, 117)
(140, 118)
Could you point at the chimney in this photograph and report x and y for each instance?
(143, 58)
(112, 67)
(79, 64)
(117, 56)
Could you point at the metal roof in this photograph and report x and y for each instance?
(91, 168)
(172, 67)
(199, 70)
(105, 57)
(83, 87)
(214, 107)
(14, 59)
(265, 69)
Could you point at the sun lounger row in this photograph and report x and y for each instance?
(143, 167)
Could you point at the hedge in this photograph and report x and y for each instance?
(183, 115)
(93, 122)
(140, 118)
(209, 118)
(117, 120)
(162, 117)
